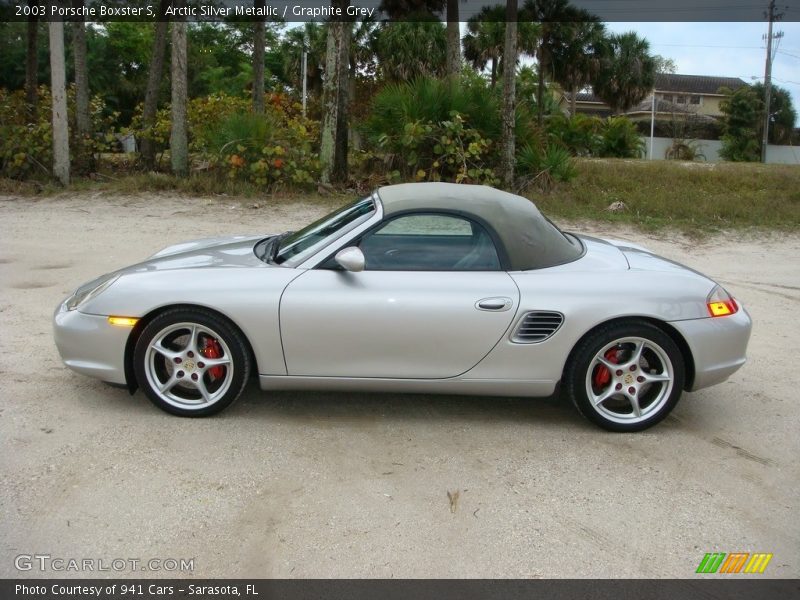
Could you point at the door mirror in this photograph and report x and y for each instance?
(351, 259)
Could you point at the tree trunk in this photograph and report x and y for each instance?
(59, 91)
(573, 101)
(259, 42)
(32, 62)
(81, 76)
(507, 157)
(339, 174)
(178, 139)
(453, 39)
(494, 72)
(540, 86)
(83, 122)
(146, 145)
(331, 99)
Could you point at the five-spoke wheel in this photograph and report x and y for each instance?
(191, 362)
(626, 376)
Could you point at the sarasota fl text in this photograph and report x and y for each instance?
(136, 589)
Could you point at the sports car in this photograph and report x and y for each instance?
(427, 287)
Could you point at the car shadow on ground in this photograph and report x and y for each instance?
(360, 407)
(329, 408)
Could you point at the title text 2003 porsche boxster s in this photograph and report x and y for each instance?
(431, 287)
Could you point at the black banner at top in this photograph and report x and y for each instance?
(322, 10)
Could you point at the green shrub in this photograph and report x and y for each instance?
(448, 150)
(433, 100)
(620, 139)
(276, 148)
(266, 150)
(581, 134)
(203, 115)
(541, 166)
(26, 140)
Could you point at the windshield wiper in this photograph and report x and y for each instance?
(275, 245)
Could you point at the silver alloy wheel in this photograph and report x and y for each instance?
(181, 368)
(629, 380)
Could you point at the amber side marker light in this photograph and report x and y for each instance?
(123, 321)
(720, 303)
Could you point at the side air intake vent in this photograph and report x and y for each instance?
(537, 326)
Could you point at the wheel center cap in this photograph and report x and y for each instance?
(188, 365)
(628, 379)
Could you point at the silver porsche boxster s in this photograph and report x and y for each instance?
(428, 287)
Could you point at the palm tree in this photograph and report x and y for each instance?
(552, 15)
(313, 37)
(333, 146)
(627, 71)
(485, 39)
(507, 141)
(32, 59)
(82, 120)
(411, 49)
(178, 139)
(59, 91)
(259, 41)
(154, 75)
(453, 39)
(576, 56)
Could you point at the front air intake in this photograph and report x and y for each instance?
(536, 326)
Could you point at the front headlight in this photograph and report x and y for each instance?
(90, 290)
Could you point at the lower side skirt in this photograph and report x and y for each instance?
(467, 387)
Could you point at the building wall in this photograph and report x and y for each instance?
(710, 106)
(787, 155)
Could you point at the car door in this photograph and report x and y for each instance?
(431, 303)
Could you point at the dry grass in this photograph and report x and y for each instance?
(695, 198)
(692, 197)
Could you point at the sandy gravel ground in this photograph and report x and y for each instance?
(340, 485)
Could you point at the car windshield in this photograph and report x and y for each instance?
(329, 226)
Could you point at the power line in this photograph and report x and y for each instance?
(709, 46)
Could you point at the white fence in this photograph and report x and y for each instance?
(786, 155)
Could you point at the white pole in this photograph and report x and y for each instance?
(305, 69)
(652, 123)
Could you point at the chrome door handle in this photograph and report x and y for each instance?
(494, 304)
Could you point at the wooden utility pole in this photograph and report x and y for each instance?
(772, 17)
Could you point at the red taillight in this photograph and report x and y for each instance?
(720, 303)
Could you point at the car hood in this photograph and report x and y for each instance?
(218, 252)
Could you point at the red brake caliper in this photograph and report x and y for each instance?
(212, 349)
(602, 375)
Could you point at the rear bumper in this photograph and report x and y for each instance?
(89, 345)
(718, 346)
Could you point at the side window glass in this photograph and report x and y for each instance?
(430, 242)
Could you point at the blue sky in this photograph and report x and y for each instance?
(725, 49)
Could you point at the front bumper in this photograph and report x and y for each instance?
(90, 345)
(718, 346)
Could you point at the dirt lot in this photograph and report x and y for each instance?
(336, 485)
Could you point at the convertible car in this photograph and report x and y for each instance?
(429, 287)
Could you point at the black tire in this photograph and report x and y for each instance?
(654, 383)
(191, 359)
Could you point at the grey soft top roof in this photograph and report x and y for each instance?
(530, 240)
